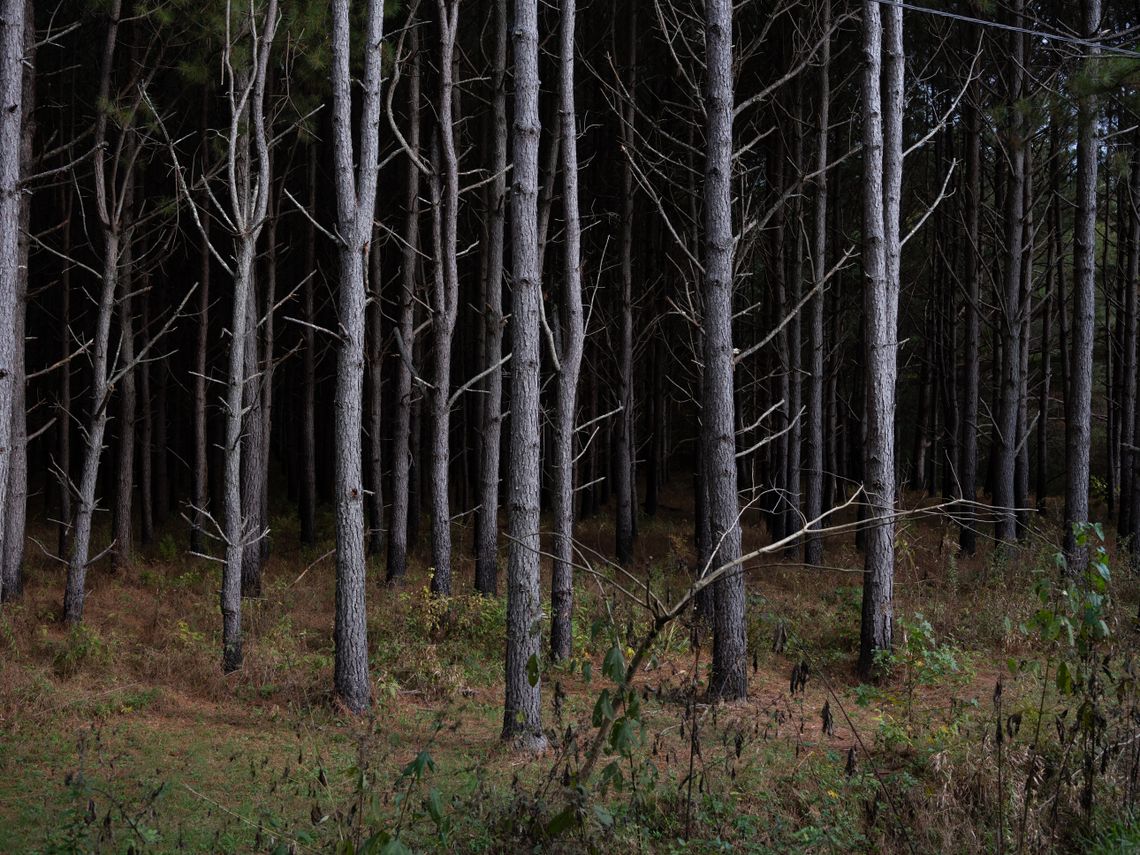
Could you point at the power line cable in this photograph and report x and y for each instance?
(1012, 28)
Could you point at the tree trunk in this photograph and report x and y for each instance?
(399, 525)
(163, 493)
(1021, 463)
(522, 722)
(968, 535)
(76, 592)
(570, 358)
(1078, 404)
(623, 453)
(793, 520)
(355, 206)
(1004, 493)
(236, 524)
(128, 404)
(375, 405)
(487, 516)
(63, 414)
(146, 435)
(248, 137)
(253, 441)
(12, 46)
(308, 491)
(15, 503)
(882, 181)
(813, 545)
(925, 399)
(1131, 331)
(268, 365)
(200, 501)
(445, 301)
(1042, 488)
(729, 678)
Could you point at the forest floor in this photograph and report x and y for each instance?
(123, 733)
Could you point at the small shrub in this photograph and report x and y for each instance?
(83, 648)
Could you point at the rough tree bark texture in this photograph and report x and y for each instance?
(813, 545)
(110, 222)
(1043, 408)
(11, 117)
(398, 525)
(1132, 322)
(252, 441)
(445, 303)
(793, 517)
(236, 530)
(355, 206)
(570, 358)
(968, 535)
(15, 502)
(1129, 357)
(146, 430)
(201, 490)
(882, 180)
(62, 464)
(718, 426)
(268, 357)
(1021, 462)
(623, 452)
(1078, 404)
(128, 403)
(1004, 493)
(248, 138)
(522, 723)
(487, 516)
(375, 403)
(308, 491)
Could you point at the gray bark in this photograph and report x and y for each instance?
(813, 545)
(718, 426)
(793, 518)
(146, 437)
(252, 442)
(12, 23)
(1132, 330)
(200, 502)
(63, 410)
(128, 406)
(522, 723)
(162, 487)
(15, 503)
(882, 180)
(623, 453)
(1004, 492)
(265, 381)
(1043, 407)
(487, 517)
(445, 302)
(1021, 463)
(375, 406)
(308, 491)
(110, 213)
(249, 177)
(398, 526)
(967, 537)
(570, 358)
(355, 207)
(1078, 403)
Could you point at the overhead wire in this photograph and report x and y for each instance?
(1013, 28)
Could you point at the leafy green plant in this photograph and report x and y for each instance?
(83, 648)
(918, 661)
(1072, 620)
